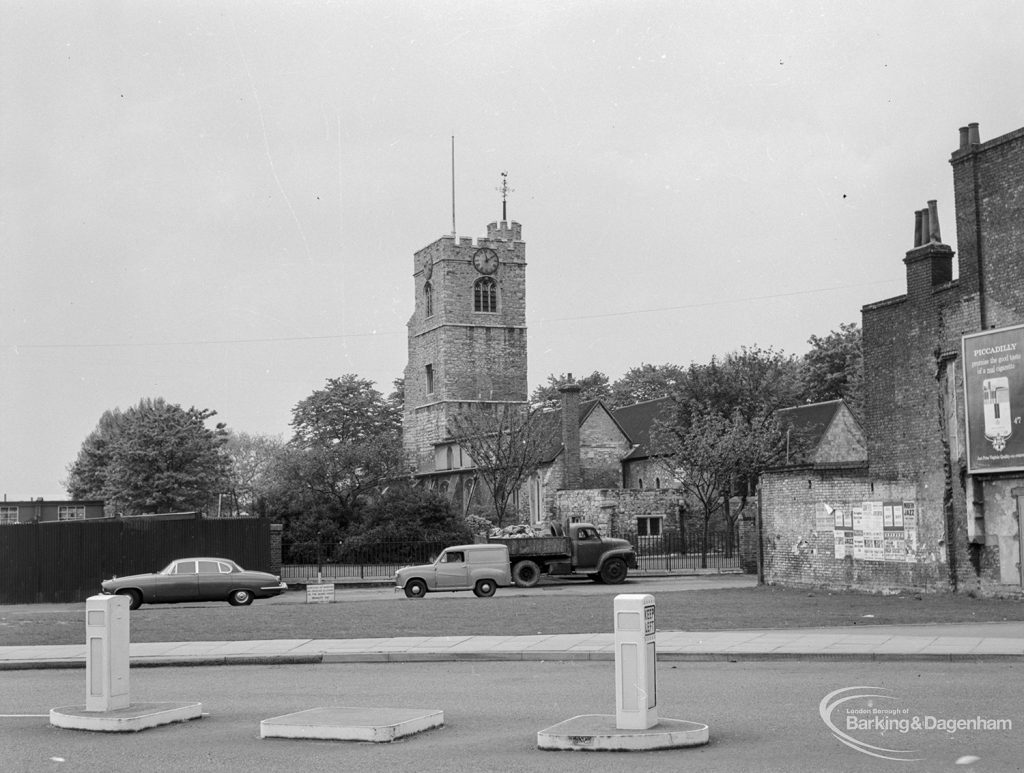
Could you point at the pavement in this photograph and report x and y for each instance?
(950, 642)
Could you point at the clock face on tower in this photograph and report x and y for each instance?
(485, 260)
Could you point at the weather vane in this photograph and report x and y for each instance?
(504, 190)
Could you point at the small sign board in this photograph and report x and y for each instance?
(649, 628)
(320, 594)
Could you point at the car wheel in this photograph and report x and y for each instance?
(240, 598)
(614, 571)
(133, 596)
(484, 589)
(526, 574)
(415, 589)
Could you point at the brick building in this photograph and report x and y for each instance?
(917, 514)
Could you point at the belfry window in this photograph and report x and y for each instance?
(485, 295)
(428, 298)
(430, 379)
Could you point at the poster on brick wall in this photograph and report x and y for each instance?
(857, 532)
(874, 533)
(993, 364)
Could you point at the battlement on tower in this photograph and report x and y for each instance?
(505, 231)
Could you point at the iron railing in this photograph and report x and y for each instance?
(669, 553)
(675, 553)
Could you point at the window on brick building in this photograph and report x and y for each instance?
(70, 512)
(428, 299)
(430, 379)
(648, 526)
(485, 295)
(8, 515)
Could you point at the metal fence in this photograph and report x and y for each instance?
(363, 562)
(668, 553)
(676, 553)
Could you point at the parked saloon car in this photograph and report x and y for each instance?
(196, 579)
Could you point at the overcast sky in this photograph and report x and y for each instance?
(218, 203)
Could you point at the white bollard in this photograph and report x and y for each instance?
(106, 666)
(636, 696)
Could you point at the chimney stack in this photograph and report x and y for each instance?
(571, 434)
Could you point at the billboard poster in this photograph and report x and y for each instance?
(993, 363)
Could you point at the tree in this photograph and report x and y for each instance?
(506, 442)
(406, 513)
(347, 410)
(592, 387)
(646, 382)
(834, 368)
(707, 453)
(153, 457)
(752, 380)
(248, 480)
(346, 448)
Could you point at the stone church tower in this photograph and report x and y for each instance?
(467, 339)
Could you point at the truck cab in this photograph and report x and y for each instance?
(480, 568)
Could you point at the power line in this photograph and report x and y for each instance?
(375, 334)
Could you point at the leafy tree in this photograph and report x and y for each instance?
(592, 387)
(153, 457)
(346, 410)
(252, 458)
(506, 443)
(408, 513)
(646, 382)
(834, 368)
(753, 380)
(346, 448)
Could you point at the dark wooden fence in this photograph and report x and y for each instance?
(66, 561)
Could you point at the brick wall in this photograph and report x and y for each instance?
(799, 533)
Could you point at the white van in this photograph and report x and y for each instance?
(479, 568)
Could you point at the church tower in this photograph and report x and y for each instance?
(467, 338)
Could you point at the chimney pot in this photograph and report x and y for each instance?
(965, 141)
(917, 228)
(925, 226)
(933, 220)
(973, 134)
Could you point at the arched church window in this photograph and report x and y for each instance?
(450, 458)
(428, 298)
(485, 295)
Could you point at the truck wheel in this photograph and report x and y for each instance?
(415, 589)
(526, 574)
(614, 571)
(484, 589)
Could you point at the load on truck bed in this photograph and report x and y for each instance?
(574, 549)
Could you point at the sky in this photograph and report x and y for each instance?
(218, 202)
